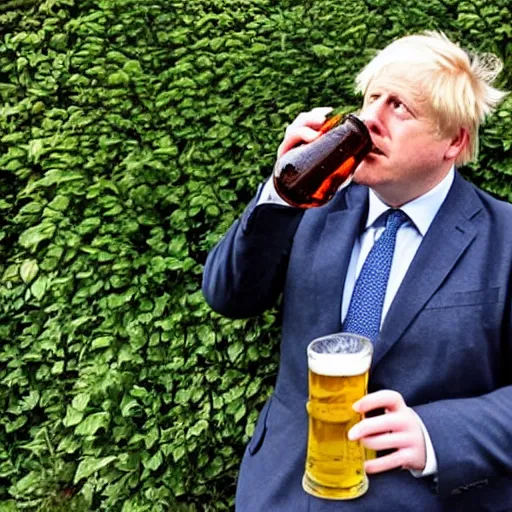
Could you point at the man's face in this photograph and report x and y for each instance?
(411, 158)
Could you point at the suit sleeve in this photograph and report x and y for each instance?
(472, 437)
(245, 272)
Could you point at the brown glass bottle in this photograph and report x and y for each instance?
(309, 175)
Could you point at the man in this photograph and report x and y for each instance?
(442, 362)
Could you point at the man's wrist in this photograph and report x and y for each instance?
(430, 454)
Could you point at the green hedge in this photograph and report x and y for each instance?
(132, 133)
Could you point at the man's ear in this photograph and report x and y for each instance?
(457, 144)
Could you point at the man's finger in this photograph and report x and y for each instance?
(394, 460)
(383, 399)
(304, 128)
(388, 441)
(391, 422)
(314, 118)
(296, 135)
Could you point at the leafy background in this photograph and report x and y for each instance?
(132, 133)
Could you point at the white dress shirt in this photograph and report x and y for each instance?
(421, 213)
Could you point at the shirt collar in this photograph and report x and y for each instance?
(421, 210)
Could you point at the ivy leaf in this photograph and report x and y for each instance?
(89, 466)
(81, 401)
(28, 482)
(235, 350)
(155, 461)
(35, 148)
(69, 444)
(33, 236)
(128, 405)
(39, 287)
(199, 427)
(28, 271)
(73, 416)
(215, 468)
(178, 452)
(102, 342)
(118, 78)
(151, 437)
(240, 413)
(31, 400)
(19, 422)
(93, 423)
(60, 203)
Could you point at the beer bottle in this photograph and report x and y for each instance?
(309, 175)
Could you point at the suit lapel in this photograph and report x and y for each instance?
(332, 256)
(445, 242)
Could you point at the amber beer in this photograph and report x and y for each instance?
(309, 175)
(338, 376)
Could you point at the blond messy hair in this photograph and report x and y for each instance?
(457, 86)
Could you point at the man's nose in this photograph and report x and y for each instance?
(373, 117)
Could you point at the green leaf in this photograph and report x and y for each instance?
(253, 387)
(215, 468)
(151, 437)
(11, 273)
(102, 342)
(33, 236)
(28, 271)
(11, 426)
(155, 461)
(240, 413)
(178, 453)
(39, 287)
(58, 368)
(199, 427)
(28, 483)
(132, 67)
(81, 401)
(9, 506)
(60, 203)
(235, 350)
(35, 148)
(183, 396)
(118, 78)
(73, 416)
(129, 406)
(68, 444)
(89, 466)
(93, 423)
(31, 400)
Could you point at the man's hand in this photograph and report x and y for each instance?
(303, 129)
(399, 429)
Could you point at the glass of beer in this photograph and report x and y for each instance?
(338, 376)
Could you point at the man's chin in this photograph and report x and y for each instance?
(362, 174)
(368, 175)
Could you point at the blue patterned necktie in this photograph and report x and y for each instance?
(365, 309)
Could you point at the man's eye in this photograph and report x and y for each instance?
(401, 108)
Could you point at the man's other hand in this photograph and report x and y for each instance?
(398, 429)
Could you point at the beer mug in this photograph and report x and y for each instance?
(338, 376)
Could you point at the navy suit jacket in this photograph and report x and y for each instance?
(445, 345)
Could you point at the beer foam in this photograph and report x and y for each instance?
(346, 365)
(340, 355)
